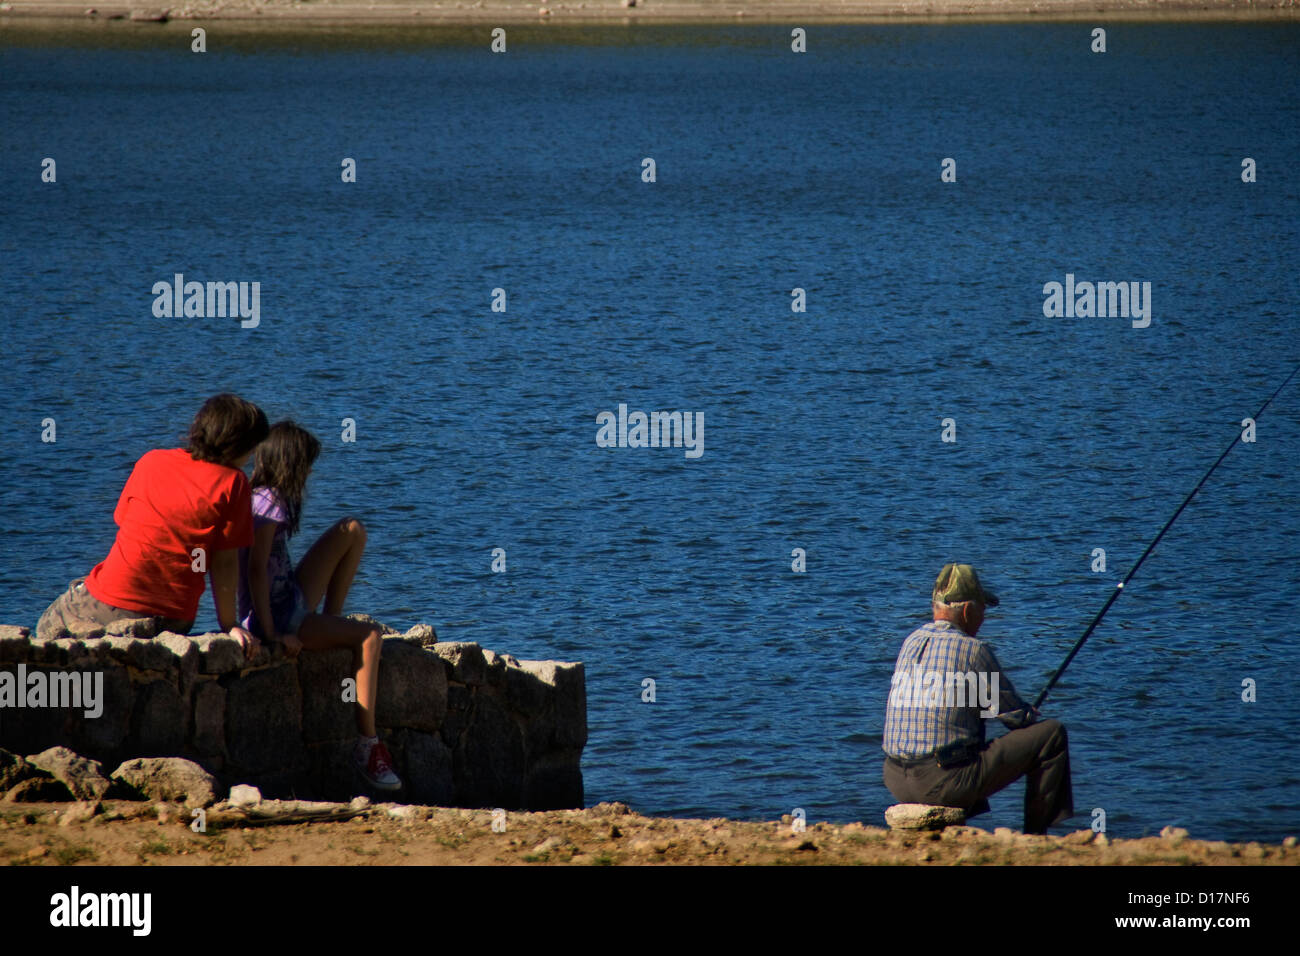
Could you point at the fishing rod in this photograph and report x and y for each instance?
(1119, 588)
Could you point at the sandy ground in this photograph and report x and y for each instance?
(130, 833)
(359, 12)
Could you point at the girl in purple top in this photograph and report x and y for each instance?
(277, 602)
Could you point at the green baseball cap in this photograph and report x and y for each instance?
(959, 582)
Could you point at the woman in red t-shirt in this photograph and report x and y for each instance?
(183, 512)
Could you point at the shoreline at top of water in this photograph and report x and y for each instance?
(344, 25)
(303, 15)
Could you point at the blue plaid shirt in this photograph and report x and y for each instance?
(926, 712)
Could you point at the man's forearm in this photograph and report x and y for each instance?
(1013, 711)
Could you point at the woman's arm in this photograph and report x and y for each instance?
(259, 580)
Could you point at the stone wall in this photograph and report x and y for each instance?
(466, 727)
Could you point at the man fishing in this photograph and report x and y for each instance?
(934, 723)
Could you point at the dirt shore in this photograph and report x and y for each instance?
(131, 833)
(451, 12)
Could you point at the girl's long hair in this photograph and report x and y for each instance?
(282, 463)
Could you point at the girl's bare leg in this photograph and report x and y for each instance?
(327, 569)
(321, 632)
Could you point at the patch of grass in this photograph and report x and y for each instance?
(214, 842)
(68, 855)
(158, 847)
(602, 859)
(455, 841)
(537, 857)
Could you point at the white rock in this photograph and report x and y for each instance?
(242, 795)
(923, 816)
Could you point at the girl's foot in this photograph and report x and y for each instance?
(375, 763)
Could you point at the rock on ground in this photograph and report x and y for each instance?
(169, 778)
(84, 778)
(13, 770)
(42, 789)
(242, 795)
(922, 816)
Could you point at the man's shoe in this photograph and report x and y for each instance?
(377, 768)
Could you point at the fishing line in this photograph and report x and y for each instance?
(1119, 588)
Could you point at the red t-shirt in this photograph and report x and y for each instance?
(171, 505)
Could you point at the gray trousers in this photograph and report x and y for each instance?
(78, 613)
(1040, 753)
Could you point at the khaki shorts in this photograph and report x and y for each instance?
(78, 613)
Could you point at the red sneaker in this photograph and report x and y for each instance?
(378, 769)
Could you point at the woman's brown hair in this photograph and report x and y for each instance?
(283, 463)
(226, 429)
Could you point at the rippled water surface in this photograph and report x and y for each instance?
(476, 429)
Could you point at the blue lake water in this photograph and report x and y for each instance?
(476, 430)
